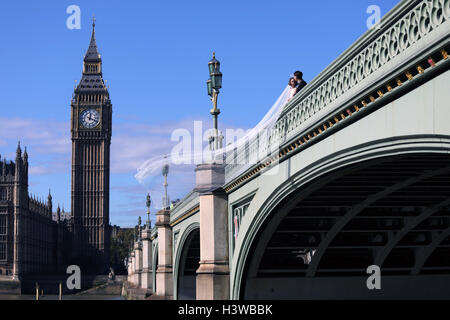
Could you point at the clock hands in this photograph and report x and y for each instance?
(90, 118)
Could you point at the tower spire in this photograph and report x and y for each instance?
(25, 155)
(49, 203)
(92, 78)
(58, 214)
(92, 54)
(18, 150)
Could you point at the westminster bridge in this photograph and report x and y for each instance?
(359, 177)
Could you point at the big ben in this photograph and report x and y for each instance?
(91, 122)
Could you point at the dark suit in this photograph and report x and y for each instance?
(300, 85)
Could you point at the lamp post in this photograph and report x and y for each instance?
(139, 229)
(148, 203)
(214, 84)
(165, 172)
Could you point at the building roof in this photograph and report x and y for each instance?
(92, 54)
(92, 82)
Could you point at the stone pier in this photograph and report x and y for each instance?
(131, 279)
(146, 275)
(138, 263)
(213, 274)
(164, 277)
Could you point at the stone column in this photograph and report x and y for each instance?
(20, 201)
(147, 264)
(132, 268)
(164, 276)
(213, 275)
(138, 263)
(59, 242)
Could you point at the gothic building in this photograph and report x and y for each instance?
(31, 242)
(91, 114)
(34, 240)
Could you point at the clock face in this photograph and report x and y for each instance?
(89, 118)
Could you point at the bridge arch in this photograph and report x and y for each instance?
(251, 244)
(187, 255)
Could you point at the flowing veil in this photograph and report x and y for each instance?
(154, 165)
(267, 122)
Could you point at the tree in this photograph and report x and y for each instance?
(120, 246)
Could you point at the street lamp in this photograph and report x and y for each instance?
(148, 203)
(209, 86)
(139, 229)
(165, 172)
(214, 84)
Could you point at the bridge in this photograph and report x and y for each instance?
(354, 173)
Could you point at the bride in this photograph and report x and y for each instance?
(293, 90)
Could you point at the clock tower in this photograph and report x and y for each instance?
(91, 113)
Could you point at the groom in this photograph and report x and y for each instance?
(298, 76)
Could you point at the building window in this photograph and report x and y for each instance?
(2, 251)
(3, 194)
(3, 224)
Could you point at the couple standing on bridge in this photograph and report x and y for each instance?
(296, 83)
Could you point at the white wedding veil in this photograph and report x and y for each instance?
(154, 165)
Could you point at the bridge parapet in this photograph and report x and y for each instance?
(184, 208)
(366, 71)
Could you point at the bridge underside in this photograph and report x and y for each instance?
(392, 212)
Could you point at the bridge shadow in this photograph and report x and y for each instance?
(393, 212)
(94, 268)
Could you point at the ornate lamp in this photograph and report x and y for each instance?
(165, 172)
(139, 229)
(148, 203)
(209, 86)
(214, 73)
(212, 64)
(214, 84)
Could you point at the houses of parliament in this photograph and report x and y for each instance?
(36, 238)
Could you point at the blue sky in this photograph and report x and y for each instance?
(155, 56)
